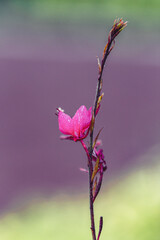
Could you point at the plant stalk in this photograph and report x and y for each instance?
(91, 201)
(118, 26)
(90, 167)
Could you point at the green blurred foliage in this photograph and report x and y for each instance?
(137, 12)
(131, 210)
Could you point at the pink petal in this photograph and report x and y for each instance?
(86, 119)
(63, 137)
(81, 121)
(65, 123)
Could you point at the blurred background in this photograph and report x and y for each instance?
(48, 59)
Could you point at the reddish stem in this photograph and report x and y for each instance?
(85, 148)
(118, 26)
(90, 167)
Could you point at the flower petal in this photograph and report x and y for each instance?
(81, 121)
(65, 123)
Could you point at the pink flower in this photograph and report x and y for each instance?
(76, 128)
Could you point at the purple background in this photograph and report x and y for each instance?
(40, 73)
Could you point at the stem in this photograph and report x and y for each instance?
(85, 148)
(118, 26)
(91, 201)
(90, 167)
(98, 186)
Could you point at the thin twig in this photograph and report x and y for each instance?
(118, 26)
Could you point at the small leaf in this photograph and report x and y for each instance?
(112, 46)
(92, 123)
(99, 100)
(105, 49)
(94, 186)
(99, 65)
(97, 138)
(98, 186)
(95, 169)
(100, 85)
(100, 227)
